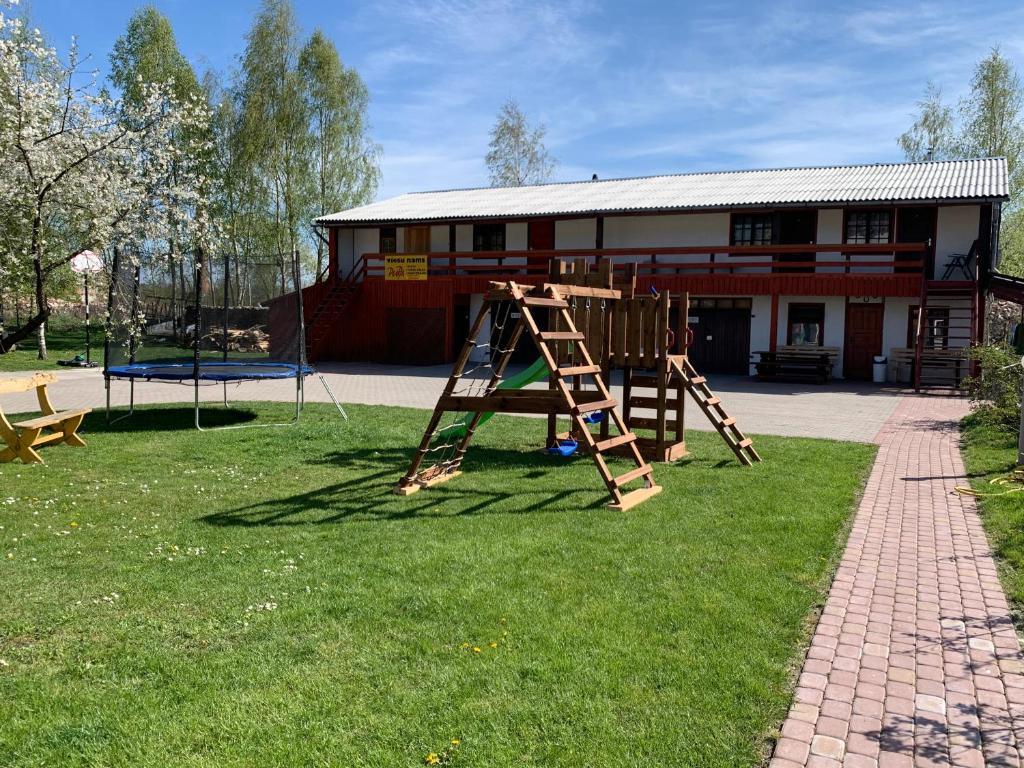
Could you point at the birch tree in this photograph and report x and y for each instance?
(344, 158)
(517, 154)
(274, 137)
(931, 137)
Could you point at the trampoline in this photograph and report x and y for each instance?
(209, 371)
(205, 328)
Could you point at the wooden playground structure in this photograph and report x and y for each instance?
(593, 326)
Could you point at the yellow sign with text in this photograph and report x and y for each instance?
(405, 266)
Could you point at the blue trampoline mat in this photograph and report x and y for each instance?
(209, 370)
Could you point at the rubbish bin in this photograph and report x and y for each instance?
(881, 364)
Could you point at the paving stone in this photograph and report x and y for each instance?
(918, 616)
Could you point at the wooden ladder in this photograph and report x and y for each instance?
(562, 377)
(698, 388)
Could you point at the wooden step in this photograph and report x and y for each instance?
(712, 401)
(633, 474)
(579, 370)
(698, 380)
(744, 443)
(561, 336)
(614, 442)
(633, 498)
(550, 303)
(728, 422)
(596, 405)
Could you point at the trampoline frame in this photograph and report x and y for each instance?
(302, 369)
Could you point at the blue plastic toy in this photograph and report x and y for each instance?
(564, 448)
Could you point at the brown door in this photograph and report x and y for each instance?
(797, 228)
(540, 237)
(916, 225)
(415, 336)
(863, 339)
(721, 340)
(417, 240)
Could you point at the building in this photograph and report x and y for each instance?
(840, 257)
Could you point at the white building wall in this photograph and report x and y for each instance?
(516, 240)
(366, 241)
(956, 229)
(576, 233)
(830, 230)
(894, 323)
(463, 237)
(666, 231)
(760, 326)
(464, 242)
(439, 238)
(346, 251)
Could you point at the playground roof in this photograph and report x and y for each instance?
(983, 179)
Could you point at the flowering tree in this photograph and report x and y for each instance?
(80, 169)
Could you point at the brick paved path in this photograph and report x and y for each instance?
(915, 661)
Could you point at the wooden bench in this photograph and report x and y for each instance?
(53, 426)
(939, 367)
(797, 362)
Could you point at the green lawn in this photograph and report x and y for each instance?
(65, 338)
(260, 597)
(991, 452)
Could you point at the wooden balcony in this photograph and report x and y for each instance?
(814, 269)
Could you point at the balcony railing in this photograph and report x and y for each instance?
(819, 259)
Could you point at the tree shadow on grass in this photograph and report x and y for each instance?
(369, 493)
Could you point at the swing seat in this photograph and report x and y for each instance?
(564, 448)
(595, 417)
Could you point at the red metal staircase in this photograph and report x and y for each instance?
(328, 304)
(947, 323)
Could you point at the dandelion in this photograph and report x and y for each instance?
(492, 645)
(432, 758)
(73, 524)
(476, 649)
(456, 742)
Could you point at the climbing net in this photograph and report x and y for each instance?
(480, 376)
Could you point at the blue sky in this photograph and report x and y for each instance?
(624, 89)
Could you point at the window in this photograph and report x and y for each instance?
(936, 334)
(488, 237)
(868, 227)
(388, 240)
(752, 229)
(806, 324)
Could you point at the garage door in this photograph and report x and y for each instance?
(721, 335)
(415, 336)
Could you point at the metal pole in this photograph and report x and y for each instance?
(198, 328)
(301, 344)
(88, 340)
(227, 300)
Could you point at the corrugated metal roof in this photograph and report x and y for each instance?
(948, 180)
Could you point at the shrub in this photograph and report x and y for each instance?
(995, 393)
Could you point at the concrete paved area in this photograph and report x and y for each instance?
(915, 660)
(841, 411)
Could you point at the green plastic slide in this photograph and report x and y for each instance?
(536, 372)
